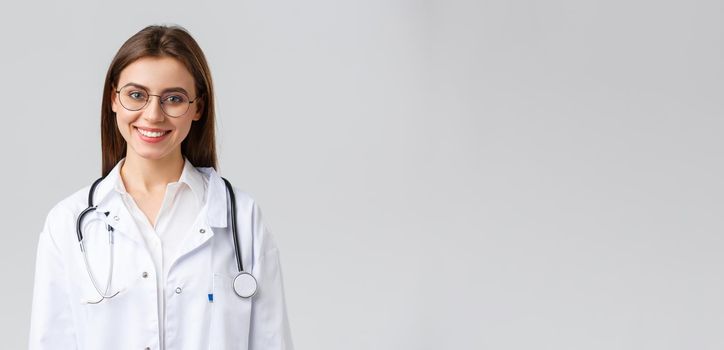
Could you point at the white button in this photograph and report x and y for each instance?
(178, 290)
(202, 231)
(116, 218)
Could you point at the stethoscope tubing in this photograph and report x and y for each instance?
(237, 249)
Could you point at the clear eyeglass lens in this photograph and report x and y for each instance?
(174, 104)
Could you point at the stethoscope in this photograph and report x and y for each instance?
(244, 285)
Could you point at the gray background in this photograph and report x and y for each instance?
(439, 174)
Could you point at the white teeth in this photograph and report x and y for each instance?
(151, 133)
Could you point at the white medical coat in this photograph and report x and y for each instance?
(63, 317)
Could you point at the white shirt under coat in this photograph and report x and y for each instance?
(178, 217)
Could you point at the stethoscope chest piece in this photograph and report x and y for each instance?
(245, 285)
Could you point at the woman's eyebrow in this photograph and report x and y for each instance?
(176, 88)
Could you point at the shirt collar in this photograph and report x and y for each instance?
(194, 179)
(189, 176)
(205, 183)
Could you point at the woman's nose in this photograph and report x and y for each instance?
(153, 110)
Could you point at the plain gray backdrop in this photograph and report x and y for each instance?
(502, 174)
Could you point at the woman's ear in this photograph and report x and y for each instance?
(199, 109)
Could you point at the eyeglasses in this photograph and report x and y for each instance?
(174, 104)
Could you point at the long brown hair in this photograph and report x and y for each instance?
(199, 146)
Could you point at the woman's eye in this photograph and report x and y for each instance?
(136, 95)
(174, 99)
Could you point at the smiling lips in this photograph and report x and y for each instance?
(152, 135)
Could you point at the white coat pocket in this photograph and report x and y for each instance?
(230, 316)
(106, 321)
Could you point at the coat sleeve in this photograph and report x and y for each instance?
(51, 321)
(269, 320)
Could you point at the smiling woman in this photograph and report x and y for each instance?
(154, 63)
(172, 256)
(155, 130)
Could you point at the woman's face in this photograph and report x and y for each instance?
(163, 76)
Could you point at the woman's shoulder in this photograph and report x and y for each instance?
(243, 197)
(213, 179)
(245, 201)
(71, 205)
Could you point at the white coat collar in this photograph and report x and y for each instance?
(109, 200)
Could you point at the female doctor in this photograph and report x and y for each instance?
(160, 252)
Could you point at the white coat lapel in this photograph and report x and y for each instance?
(214, 214)
(108, 200)
(120, 218)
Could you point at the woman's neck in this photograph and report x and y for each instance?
(148, 176)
